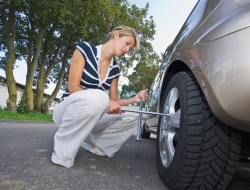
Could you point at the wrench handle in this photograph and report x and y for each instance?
(138, 136)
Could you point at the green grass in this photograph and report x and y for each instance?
(33, 116)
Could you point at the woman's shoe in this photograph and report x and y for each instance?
(93, 150)
(56, 160)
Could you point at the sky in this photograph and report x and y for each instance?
(168, 15)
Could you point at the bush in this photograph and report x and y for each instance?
(22, 107)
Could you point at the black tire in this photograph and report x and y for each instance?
(202, 152)
(144, 133)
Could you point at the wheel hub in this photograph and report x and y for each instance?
(169, 127)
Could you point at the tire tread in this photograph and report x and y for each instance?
(211, 148)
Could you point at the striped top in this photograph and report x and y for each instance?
(90, 74)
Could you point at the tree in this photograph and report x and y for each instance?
(35, 24)
(50, 30)
(8, 36)
(70, 33)
(147, 60)
(142, 77)
(104, 20)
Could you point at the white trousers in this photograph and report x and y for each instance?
(83, 114)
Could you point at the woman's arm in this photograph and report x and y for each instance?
(113, 94)
(75, 72)
(115, 102)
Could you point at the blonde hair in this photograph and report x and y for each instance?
(125, 31)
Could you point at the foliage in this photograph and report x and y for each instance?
(22, 106)
(142, 76)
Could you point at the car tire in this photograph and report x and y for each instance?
(144, 133)
(194, 149)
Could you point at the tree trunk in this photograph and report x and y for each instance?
(11, 84)
(43, 75)
(39, 94)
(41, 81)
(10, 37)
(31, 66)
(28, 93)
(59, 82)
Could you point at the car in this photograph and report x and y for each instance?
(203, 87)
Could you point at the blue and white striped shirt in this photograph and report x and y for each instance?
(90, 74)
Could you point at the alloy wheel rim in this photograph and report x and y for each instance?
(169, 127)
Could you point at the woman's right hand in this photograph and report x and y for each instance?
(114, 108)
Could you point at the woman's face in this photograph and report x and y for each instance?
(123, 44)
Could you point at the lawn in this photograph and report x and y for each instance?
(33, 116)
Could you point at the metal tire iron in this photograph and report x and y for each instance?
(140, 111)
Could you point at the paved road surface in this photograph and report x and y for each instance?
(25, 150)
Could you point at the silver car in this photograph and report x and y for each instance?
(203, 84)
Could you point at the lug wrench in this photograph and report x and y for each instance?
(138, 136)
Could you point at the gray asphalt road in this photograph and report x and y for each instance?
(25, 150)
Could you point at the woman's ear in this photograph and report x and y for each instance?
(116, 34)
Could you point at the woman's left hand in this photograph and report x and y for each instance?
(142, 94)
